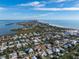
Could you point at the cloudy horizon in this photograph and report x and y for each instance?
(39, 9)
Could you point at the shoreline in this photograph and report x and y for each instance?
(64, 27)
(60, 26)
(37, 21)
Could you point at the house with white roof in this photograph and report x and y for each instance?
(34, 57)
(13, 55)
(11, 44)
(18, 44)
(49, 51)
(4, 46)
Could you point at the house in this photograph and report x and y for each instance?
(26, 57)
(2, 57)
(11, 44)
(57, 42)
(35, 41)
(48, 46)
(25, 34)
(72, 32)
(34, 57)
(23, 42)
(44, 53)
(21, 53)
(18, 44)
(74, 42)
(66, 45)
(66, 40)
(13, 55)
(15, 37)
(4, 46)
(49, 51)
(1, 49)
(55, 49)
(28, 50)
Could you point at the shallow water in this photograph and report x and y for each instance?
(65, 23)
(7, 25)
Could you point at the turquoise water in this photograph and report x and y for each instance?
(6, 28)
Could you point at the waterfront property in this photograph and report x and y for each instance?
(44, 42)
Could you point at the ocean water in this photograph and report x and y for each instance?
(4, 29)
(63, 23)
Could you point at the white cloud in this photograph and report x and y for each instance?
(1, 8)
(34, 4)
(57, 9)
(59, 0)
(76, 5)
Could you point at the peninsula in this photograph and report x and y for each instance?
(38, 40)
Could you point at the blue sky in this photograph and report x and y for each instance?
(39, 9)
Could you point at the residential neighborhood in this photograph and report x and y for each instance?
(42, 41)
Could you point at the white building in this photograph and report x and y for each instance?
(13, 55)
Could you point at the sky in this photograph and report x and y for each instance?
(39, 9)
